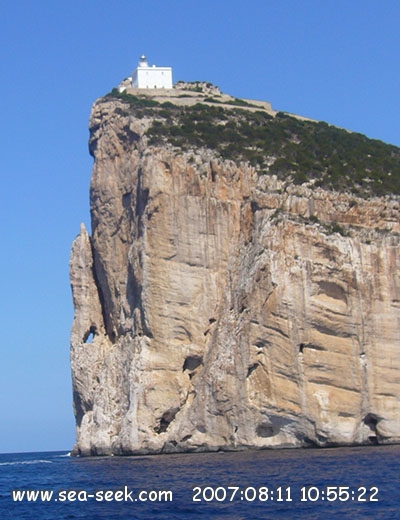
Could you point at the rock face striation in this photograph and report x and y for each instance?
(220, 308)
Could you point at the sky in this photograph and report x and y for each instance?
(330, 60)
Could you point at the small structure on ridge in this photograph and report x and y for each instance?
(146, 76)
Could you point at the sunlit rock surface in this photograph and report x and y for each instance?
(216, 308)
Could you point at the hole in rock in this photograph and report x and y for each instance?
(322, 440)
(252, 368)
(166, 420)
(192, 362)
(371, 420)
(312, 346)
(212, 176)
(260, 343)
(265, 430)
(333, 290)
(89, 336)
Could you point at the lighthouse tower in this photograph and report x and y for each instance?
(145, 76)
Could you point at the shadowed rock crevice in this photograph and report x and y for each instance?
(134, 298)
(128, 137)
(81, 407)
(265, 430)
(104, 294)
(142, 199)
(333, 290)
(192, 362)
(165, 421)
(371, 420)
(252, 368)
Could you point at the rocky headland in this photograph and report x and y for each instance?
(240, 285)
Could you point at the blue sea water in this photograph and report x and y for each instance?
(320, 483)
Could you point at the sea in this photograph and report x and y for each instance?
(354, 483)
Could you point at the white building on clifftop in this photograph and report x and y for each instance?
(145, 76)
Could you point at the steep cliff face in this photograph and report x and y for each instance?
(217, 307)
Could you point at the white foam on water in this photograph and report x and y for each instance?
(25, 462)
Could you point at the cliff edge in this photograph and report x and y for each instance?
(240, 286)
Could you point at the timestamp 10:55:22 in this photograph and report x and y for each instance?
(285, 493)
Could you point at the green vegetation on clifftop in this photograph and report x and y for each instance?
(293, 149)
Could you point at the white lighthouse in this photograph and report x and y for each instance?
(145, 76)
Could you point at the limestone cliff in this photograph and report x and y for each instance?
(220, 306)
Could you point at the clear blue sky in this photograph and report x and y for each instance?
(333, 60)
